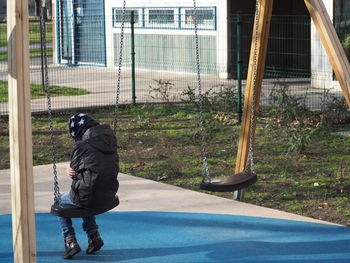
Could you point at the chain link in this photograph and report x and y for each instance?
(46, 85)
(251, 132)
(120, 61)
(205, 168)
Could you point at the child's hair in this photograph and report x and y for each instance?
(79, 123)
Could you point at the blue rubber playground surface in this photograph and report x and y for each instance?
(157, 237)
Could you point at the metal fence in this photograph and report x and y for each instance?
(165, 60)
(289, 53)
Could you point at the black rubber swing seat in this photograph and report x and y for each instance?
(231, 183)
(63, 210)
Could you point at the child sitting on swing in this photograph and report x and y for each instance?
(93, 169)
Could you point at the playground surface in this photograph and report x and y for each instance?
(156, 222)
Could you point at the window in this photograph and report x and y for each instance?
(118, 16)
(167, 17)
(160, 17)
(205, 17)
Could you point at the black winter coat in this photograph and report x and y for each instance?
(95, 160)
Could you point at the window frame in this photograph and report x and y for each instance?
(209, 26)
(172, 25)
(179, 22)
(139, 11)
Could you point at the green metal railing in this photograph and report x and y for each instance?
(342, 26)
(167, 56)
(239, 66)
(133, 85)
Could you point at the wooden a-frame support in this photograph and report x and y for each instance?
(20, 131)
(331, 43)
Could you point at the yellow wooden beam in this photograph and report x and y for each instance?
(261, 36)
(332, 45)
(20, 130)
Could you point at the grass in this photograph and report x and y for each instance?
(37, 91)
(34, 33)
(34, 38)
(33, 53)
(3, 56)
(163, 143)
(3, 34)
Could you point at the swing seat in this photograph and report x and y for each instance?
(65, 210)
(231, 183)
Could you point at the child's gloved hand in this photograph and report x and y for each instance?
(71, 172)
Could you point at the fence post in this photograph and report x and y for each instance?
(42, 11)
(132, 22)
(239, 65)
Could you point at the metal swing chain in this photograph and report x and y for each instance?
(205, 169)
(251, 133)
(46, 85)
(120, 61)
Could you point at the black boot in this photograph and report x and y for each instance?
(95, 241)
(71, 247)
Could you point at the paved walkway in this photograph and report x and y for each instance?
(31, 46)
(101, 83)
(137, 194)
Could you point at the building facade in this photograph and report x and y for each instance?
(88, 32)
(322, 75)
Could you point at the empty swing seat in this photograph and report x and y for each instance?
(64, 210)
(231, 183)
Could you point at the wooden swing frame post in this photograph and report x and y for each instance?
(20, 133)
(256, 59)
(331, 43)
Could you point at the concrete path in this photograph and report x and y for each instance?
(137, 194)
(31, 46)
(101, 83)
